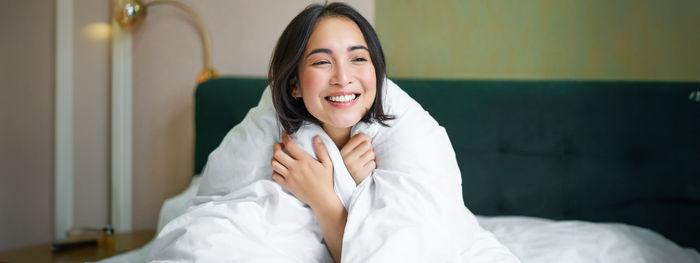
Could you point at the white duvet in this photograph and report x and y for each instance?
(532, 240)
(409, 209)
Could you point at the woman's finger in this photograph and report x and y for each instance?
(279, 168)
(358, 153)
(372, 165)
(354, 142)
(293, 148)
(276, 147)
(282, 156)
(363, 148)
(367, 157)
(278, 178)
(321, 151)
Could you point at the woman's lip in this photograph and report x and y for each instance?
(342, 105)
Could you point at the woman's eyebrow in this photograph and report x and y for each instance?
(328, 51)
(319, 50)
(357, 47)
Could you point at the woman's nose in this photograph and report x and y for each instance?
(340, 75)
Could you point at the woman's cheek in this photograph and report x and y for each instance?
(314, 78)
(367, 76)
(368, 79)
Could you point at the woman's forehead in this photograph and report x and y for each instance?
(335, 33)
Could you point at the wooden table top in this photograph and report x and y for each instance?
(42, 253)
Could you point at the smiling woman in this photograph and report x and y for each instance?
(334, 84)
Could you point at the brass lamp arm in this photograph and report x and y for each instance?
(128, 12)
(198, 22)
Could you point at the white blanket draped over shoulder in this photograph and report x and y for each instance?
(409, 209)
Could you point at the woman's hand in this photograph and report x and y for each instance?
(309, 180)
(312, 182)
(358, 156)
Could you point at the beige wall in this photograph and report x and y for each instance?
(26, 122)
(167, 57)
(91, 114)
(27, 110)
(542, 39)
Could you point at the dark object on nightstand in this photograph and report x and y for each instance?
(66, 245)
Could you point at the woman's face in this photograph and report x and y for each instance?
(336, 76)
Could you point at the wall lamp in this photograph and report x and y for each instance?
(128, 13)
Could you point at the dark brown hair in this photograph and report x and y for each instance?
(284, 65)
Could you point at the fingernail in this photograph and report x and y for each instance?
(317, 139)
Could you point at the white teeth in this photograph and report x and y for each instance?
(344, 98)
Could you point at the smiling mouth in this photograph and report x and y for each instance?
(343, 98)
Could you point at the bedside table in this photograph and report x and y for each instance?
(42, 253)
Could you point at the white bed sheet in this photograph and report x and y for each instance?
(534, 240)
(543, 240)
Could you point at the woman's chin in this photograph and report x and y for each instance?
(343, 124)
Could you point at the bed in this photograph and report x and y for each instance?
(559, 171)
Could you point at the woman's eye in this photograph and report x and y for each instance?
(359, 60)
(319, 63)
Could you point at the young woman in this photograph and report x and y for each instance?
(279, 204)
(327, 68)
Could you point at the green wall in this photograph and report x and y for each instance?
(544, 39)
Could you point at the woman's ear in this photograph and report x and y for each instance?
(294, 84)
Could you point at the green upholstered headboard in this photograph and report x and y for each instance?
(587, 150)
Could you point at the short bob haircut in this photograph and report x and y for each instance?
(284, 65)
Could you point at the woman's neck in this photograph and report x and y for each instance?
(340, 136)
